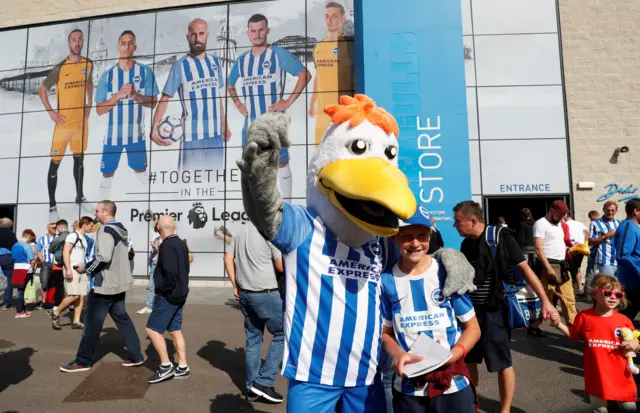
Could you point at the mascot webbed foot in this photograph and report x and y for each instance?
(460, 273)
(259, 171)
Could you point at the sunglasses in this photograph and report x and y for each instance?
(608, 293)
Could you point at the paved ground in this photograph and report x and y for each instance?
(549, 369)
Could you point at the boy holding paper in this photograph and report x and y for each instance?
(413, 305)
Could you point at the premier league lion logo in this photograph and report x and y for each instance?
(198, 216)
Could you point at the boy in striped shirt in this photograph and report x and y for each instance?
(413, 291)
(124, 91)
(603, 250)
(46, 268)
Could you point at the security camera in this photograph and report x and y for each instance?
(624, 149)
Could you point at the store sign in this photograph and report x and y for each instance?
(422, 83)
(624, 193)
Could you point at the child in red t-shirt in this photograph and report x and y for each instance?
(606, 377)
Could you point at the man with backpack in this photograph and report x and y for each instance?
(112, 278)
(493, 268)
(76, 285)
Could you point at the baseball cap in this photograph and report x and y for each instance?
(421, 217)
(560, 206)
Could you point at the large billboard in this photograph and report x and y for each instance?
(150, 110)
(79, 102)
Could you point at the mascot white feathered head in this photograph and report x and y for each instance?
(353, 181)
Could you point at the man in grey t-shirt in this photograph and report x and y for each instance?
(250, 262)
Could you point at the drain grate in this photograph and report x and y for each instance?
(111, 381)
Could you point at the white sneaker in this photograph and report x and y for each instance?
(53, 214)
(145, 310)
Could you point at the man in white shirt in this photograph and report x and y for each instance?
(578, 234)
(553, 270)
(76, 285)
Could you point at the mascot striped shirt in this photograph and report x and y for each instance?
(333, 322)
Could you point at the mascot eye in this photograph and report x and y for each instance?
(391, 152)
(358, 146)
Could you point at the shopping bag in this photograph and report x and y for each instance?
(30, 291)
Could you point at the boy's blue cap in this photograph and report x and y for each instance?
(421, 217)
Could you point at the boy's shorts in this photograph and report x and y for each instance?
(165, 316)
(494, 346)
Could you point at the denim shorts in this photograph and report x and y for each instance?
(165, 316)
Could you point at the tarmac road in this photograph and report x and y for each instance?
(549, 370)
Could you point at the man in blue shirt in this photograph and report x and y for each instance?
(627, 247)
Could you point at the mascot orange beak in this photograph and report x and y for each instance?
(371, 192)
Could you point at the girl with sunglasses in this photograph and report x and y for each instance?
(606, 379)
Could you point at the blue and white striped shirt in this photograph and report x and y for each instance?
(415, 305)
(42, 246)
(90, 252)
(332, 322)
(605, 252)
(200, 86)
(263, 78)
(126, 118)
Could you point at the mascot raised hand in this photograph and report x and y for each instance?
(334, 250)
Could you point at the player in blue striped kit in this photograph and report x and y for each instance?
(123, 92)
(199, 81)
(262, 71)
(413, 304)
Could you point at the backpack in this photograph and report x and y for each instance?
(523, 305)
(57, 246)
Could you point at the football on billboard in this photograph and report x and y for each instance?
(171, 128)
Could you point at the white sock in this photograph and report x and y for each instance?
(143, 177)
(105, 187)
(284, 182)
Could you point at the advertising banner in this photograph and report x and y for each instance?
(150, 110)
(413, 65)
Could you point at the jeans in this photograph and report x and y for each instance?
(8, 293)
(98, 306)
(262, 310)
(386, 362)
(151, 287)
(18, 302)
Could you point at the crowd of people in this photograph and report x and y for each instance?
(476, 327)
(90, 269)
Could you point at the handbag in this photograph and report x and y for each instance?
(523, 304)
(30, 291)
